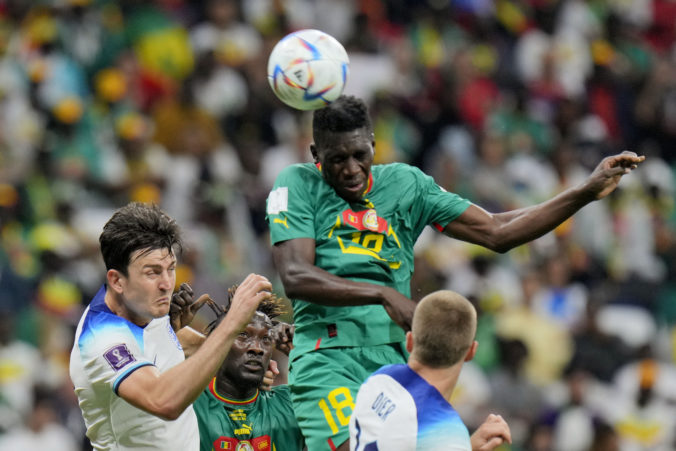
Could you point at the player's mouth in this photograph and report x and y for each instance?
(164, 301)
(253, 365)
(354, 188)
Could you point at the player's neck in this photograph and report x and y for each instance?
(116, 305)
(232, 390)
(443, 379)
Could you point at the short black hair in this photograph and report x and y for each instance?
(137, 226)
(272, 307)
(345, 114)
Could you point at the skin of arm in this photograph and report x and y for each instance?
(190, 340)
(501, 232)
(168, 394)
(294, 260)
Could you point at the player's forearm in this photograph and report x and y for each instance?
(526, 224)
(180, 386)
(313, 284)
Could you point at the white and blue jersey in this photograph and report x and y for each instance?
(107, 349)
(397, 410)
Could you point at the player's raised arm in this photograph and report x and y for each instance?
(503, 231)
(294, 260)
(168, 394)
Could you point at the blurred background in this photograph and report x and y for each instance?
(506, 102)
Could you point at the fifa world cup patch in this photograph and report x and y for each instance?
(119, 356)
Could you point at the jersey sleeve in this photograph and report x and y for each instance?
(111, 350)
(290, 209)
(437, 207)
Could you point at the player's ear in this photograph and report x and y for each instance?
(409, 341)
(114, 278)
(472, 351)
(313, 151)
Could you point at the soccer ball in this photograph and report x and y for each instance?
(308, 69)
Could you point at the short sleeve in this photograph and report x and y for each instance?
(290, 206)
(436, 206)
(111, 350)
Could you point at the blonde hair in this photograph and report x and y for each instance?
(444, 326)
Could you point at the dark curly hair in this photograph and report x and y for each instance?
(345, 114)
(272, 307)
(137, 226)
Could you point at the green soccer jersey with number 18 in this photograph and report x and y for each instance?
(265, 422)
(370, 241)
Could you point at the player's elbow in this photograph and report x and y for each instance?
(294, 280)
(169, 412)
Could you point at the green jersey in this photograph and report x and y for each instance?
(370, 241)
(263, 423)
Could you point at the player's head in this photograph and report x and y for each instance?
(443, 330)
(249, 356)
(344, 146)
(137, 245)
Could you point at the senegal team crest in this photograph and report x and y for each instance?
(370, 220)
(244, 446)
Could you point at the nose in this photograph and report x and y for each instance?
(255, 347)
(352, 167)
(166, 281)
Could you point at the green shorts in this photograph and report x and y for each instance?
(324, 384)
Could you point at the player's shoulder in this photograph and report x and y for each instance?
(299, 171)
(281, 392)
(398, 172)
(99, 327)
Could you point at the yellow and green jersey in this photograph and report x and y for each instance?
(265, 422)
(369, 241)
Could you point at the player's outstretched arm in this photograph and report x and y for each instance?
(492, 433)
(503, 231)
(294, 260)
(168, 394)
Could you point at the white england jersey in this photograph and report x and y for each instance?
(397, 410)
(106, 351)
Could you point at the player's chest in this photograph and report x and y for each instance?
(161, 346)
(243, 430)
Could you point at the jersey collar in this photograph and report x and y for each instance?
(214, 392)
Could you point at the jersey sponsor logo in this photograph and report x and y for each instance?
(278, 200)
(262, 443)
(244, 430)
(118, 357)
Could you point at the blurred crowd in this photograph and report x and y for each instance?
(505, 102)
